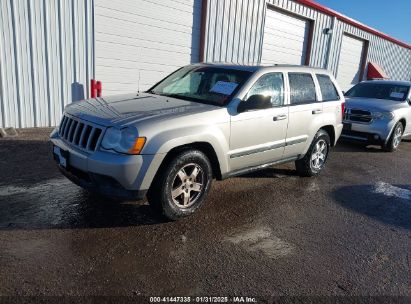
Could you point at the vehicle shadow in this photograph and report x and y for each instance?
(81, 210)
(389, 204)
(34, 194)
(25, 161)
(348, 146)
(270, 172)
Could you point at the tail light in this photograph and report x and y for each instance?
(342, 110)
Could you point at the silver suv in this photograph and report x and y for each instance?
(204, 121)
(378, 112)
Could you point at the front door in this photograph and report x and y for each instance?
(258, 136)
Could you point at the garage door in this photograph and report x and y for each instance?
(146, 40)
(285, 39)
(350, 63)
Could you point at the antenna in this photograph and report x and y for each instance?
(138, 89)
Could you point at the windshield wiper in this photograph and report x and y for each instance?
(152, 92)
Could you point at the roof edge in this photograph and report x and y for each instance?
(353, 22)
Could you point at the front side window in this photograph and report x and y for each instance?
(211, 85)
(302, 88)
(378, 90)
(328, 90)
(270, 85)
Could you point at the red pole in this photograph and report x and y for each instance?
(99, 88)
(93, 89)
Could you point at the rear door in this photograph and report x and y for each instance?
(305, 113)
(258, 136)
(331, 100)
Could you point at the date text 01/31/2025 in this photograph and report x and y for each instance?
(238, 299)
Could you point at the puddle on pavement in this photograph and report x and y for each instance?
(262, 240)
(392, 191)
(55, 185)
(58, 203)
(312, 186)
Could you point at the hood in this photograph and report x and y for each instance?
(131, 109)
(374, 105)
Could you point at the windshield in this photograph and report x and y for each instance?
(209, 85)
(379, 91)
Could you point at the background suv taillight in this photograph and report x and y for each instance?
(342, 110)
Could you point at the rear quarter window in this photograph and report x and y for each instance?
(328, 90)
(302, 88)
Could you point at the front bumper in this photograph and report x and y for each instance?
(110, 174)
(377, 132)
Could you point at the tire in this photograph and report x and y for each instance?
(188, 175)
(307, 166)
(395, 139)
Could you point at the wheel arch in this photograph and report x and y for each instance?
(403, 121)
(202, 146)
(331, 133)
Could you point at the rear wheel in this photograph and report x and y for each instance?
(395, 139)
(181, 187)
(314, 161)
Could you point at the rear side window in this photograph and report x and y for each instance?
(328, 90)
(302, 88)
(270, 85)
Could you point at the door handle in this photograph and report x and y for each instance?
(279, 117)
(318, 111)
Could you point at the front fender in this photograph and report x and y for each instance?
(162, 143)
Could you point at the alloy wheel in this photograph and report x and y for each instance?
(397, 137)
(188, 185)
(319, 154)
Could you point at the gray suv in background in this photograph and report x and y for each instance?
(203, 121)
(378, 112)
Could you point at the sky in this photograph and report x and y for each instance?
(392, 17)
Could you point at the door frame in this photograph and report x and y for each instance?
(364, 53)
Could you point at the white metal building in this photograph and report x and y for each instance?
(51, 49)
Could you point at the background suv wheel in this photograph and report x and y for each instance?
(395, 139)
(181, 187)
(315, 158)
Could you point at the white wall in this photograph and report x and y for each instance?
(146, 39)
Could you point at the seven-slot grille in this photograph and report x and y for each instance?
(79, 133)
(357, 115)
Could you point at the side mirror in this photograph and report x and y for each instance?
(255, 102)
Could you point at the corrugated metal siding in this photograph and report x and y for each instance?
(234, 30)
(144, 39)
(394, 59)
(45, 59)
(229, 38)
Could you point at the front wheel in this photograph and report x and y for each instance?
(181, 187)
(395, 139)
(314, 161)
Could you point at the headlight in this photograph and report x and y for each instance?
(383, 115)
(124, 140)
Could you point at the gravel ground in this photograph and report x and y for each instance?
(271, 233)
